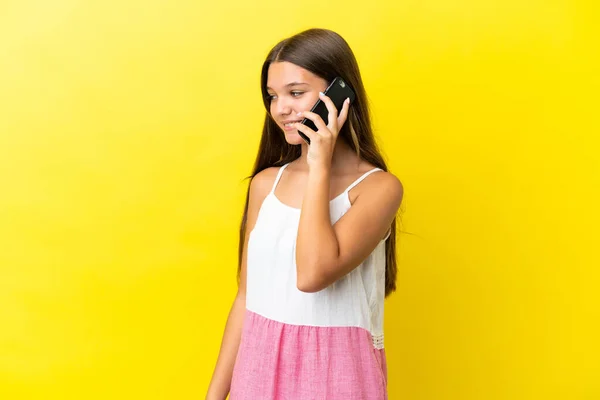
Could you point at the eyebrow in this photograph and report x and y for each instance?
(291, 84)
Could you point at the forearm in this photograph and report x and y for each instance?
(316, 245)
(221, 380)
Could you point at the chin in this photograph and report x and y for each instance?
(294, 138)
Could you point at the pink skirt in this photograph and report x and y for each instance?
(278, 361)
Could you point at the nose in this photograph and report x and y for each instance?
(283, 106)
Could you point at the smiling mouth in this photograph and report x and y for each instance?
(289, 124)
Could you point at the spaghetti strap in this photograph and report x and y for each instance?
(278, 177)
(388, 234)
(359, 180)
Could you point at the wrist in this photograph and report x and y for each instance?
(319, 169)
(319, 176)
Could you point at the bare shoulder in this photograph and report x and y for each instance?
(262, 182)
(261, 185)
(389, 183)
(382, 184)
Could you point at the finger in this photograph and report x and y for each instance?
(333, 112)
(312, 135)
(344, 113)
(316, 118)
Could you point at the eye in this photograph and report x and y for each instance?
(271, 97)
(296, 93)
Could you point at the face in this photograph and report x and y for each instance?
(292, 89)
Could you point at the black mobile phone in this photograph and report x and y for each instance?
(338, 91)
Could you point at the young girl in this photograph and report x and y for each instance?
(317, 241)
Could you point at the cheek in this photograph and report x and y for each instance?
(307, 102)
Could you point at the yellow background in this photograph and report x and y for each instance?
(126, 129)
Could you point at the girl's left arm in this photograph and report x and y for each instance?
(326, 252)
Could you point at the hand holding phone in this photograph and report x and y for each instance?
(338, 91)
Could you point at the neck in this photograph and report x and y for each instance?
(343, 157)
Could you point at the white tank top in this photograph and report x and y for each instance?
(354, 300)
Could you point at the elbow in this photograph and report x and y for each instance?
(308, 287)
(309, 282)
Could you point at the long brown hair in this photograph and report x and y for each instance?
(327, 55)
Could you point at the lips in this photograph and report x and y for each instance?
(289, 123)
